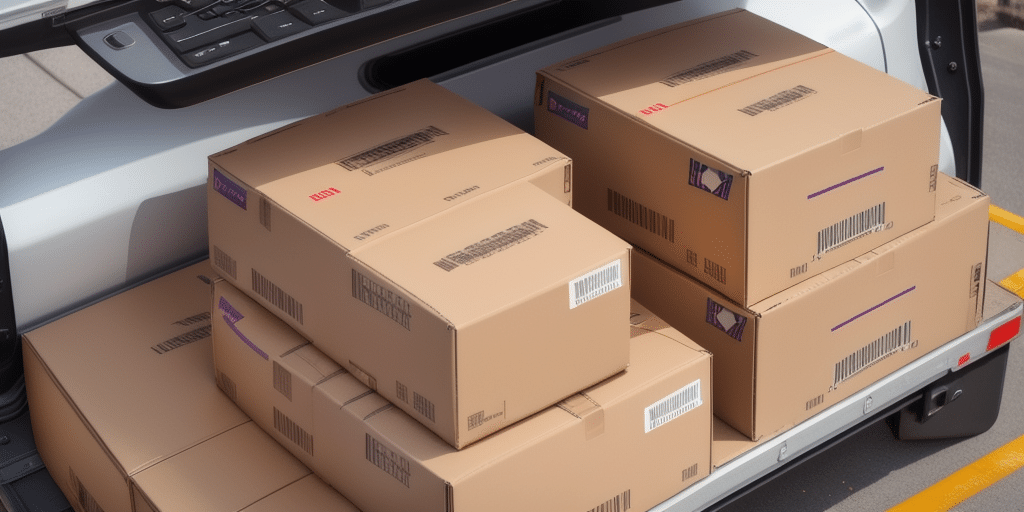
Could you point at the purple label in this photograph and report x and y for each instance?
(847, 182)
(568, 110)
(710, 180)
(229, 189)
(729, 322)
(231, 317)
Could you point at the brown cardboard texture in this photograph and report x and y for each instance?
(742, 153)
(440, 300)
(384, 460)
(122, 385)
(311, 494)
(259, 360)
(228, 473)
(792, 355)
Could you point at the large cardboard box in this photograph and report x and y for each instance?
(742, 153)
(436, 264)
(632, 441)
(788, 357)
(124, 384)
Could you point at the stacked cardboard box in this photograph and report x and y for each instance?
(127, 416)
(782, 195)
(614, 435)
(426, 245)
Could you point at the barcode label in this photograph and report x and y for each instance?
(283, 381)
(85, 499)
(224, 262)
(690, 472)
(851, 228)
(423, 406)
(387, 460)
(265, 213)
(893, 341)
(227, 386)
(673, 406)
(595, 284)
(619, 503)
(714, 270)
(779, 100)
(194, 319)
(975, 280)
(268, 290)
(709, 179)
(709, 68)
(386, 302)
(491, 245)
(392, 148)
(292, 431)
(642, 216)
(182, 340)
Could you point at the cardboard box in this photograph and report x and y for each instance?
(790, 356)
(449, 281)
(624, 447)
(740, 152)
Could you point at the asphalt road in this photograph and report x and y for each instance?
(872, 470)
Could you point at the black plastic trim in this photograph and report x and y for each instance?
(10, 346)
(948, 43)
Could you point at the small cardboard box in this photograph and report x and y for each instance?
(788, 357)
(442, 268)
(635, 439)
(740, 152)
(124, 384)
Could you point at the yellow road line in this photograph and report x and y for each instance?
(968, 481)
(1015, 283)
(1008, 219)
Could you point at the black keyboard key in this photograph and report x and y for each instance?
(193, 5)
(199, 33)
(169, 18)
(359, 5)
(278, 25)
(226, 48)
(316, 12)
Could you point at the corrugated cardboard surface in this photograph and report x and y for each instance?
(784, 359)
(122, 385)
(440, 300)
(384, 460)
(753, 159)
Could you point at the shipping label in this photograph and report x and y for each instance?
(595, 284)
(673, 406)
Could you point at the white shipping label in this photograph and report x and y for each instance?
(595, 284)
(673, 406)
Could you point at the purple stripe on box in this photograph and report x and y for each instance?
(886, 301)
(231, 317)
(229, 189)
(847, 182)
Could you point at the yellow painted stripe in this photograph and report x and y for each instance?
(968, 481)
(1015, 283)
(1010, 220)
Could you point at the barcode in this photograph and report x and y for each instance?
(182, 340)
(276, 296)
(401, 392)
(893, 341)
(224, 262)
(814, 402)
(714, 270)
(619, 503)
(227, 386)
(779, 100)
(690, 472)
(423, 406)
(707, 69)
(292, 431)
(265, 213)
(385, 301)
(283, 381)
(795, 271)
(387, 460)
(391, 148)
(595, 284)
(642, 216)
(975, 280)
(851, 228)
(85, 499)
(691, 257)
(492, 245)
(673, 406)
(194, 319)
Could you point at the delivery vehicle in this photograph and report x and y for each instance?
(114, 193)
